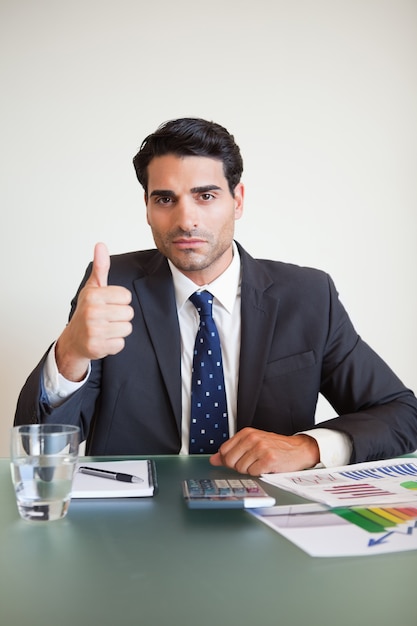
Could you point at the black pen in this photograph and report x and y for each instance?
(101, 473)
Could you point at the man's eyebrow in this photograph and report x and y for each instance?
(166, 193)
(205, 188)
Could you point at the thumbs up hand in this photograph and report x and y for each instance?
(100, 322)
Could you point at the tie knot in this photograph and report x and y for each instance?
(203, 302)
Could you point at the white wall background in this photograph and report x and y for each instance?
(321, 96)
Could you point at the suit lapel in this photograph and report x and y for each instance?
(156, 296)
(259, 312)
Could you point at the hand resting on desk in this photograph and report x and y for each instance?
(255, 452)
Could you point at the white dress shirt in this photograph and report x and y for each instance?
(335, 447)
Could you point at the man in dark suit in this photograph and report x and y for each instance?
(121, 369)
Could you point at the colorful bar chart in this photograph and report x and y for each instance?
(377, 519)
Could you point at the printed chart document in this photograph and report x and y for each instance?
(342, 532)
(362, 509)
(381, 482)
(106, 485)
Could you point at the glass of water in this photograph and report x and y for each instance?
(43, 458)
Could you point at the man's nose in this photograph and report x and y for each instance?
(187, 212)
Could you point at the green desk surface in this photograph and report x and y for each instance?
(153, 562)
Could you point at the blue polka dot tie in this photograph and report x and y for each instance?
(208, 424)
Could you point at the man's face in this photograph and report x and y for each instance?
(192, 214)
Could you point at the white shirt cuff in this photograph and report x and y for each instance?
(58, 388)
(335, 447)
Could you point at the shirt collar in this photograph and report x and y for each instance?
(224, 288)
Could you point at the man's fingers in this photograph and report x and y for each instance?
(216, 459)
(101, 266)
(255, 452)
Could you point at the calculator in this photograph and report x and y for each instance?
(236, 493)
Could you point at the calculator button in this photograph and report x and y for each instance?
(237, 487)
(194, 487)
(209, 487)
(223, 487)
(251, 486)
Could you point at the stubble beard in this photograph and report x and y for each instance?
(188, 260)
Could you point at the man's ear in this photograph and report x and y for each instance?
(239, 194)
(145, 197)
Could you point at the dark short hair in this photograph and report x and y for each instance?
(190, 136)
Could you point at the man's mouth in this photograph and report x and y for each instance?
(187, 242)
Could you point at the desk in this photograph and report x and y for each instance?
(153, 562)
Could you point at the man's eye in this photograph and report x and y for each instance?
(207, 196)
(164, 200)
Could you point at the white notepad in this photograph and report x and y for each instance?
(87, 486)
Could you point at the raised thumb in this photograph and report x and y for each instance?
(101, 266)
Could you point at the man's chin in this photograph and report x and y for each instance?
(191, 262)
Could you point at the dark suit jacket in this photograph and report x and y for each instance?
(296, 341)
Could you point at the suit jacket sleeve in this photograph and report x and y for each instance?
(375, 409)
